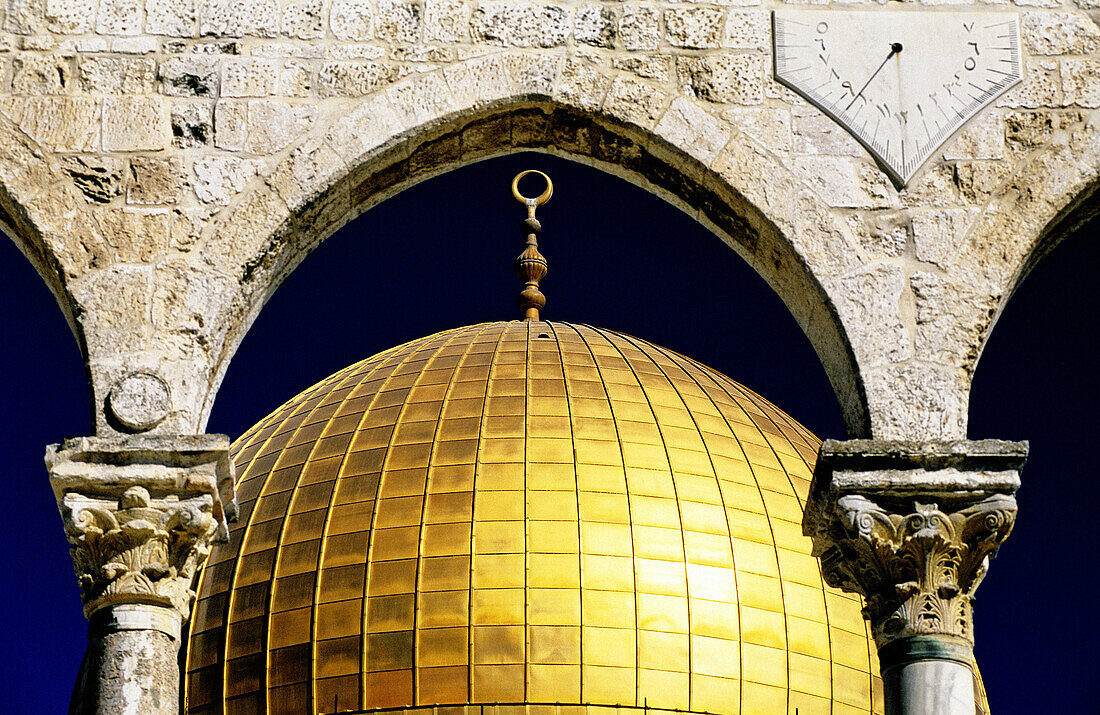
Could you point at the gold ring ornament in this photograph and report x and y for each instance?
(532, 203)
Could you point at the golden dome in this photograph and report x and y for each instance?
(525, 512)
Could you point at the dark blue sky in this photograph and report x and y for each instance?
(440, 255)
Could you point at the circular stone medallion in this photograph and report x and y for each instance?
(140, 401)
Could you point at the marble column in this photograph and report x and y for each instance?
(911, 526)
(140, 514)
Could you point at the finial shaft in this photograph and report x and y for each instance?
(531, 266)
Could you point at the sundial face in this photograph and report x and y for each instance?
(901, 83)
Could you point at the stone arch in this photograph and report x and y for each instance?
(433, 122)
(1044, 200)
(45, 215)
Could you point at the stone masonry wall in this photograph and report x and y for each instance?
(165, 163)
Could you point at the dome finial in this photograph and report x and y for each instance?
(531, 267)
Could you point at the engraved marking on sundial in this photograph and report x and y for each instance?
(901, 83)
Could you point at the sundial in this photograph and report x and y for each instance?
(901, 83)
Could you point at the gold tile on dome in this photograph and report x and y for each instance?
(443, 646)
(551, 683)
(609, 646)
(663, 650)
(764, 665)
(499, 683)
(553, 536)
(613, 609)
(437, 609)
(390, 613)
(554, 606)
(553, 571)
(809, 675)
(664, 689)
(604, 684)
(718, 657)
(498, 606)
(714, 694)
(554, 644)
(498, 644)
(449, 684)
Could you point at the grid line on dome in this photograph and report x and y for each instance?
(587, 459)
(791, 691)
(640, 345)
(672, 479)
(417, 605)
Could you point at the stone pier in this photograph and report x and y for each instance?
(140, 514)
(912, 527)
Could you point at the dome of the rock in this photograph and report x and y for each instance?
(525, 513)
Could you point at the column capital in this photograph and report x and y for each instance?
(911, 526)
(140, 514)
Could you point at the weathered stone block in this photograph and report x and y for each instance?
(135, 236)
(869, 302)
(249, 78)
(351, 19)
(770, 126)
(33, 73)
(397, 20)
(306, 175)
(595, 25)
(174, 18)
(726, 78)
(420, 98)
(295, 79)
(581, 84)
(917, 401)
(303, 20)
(686, 125)
(66, 16)
(634, 101)
(100, 178)
(1081, 83)
(656, 68)
(354, 79)
(120, 17)
(938, 234)
(814, 133)
(949, 318)
(506, 23)
(190, 76)
(135, 124)
(640, 28)
(218, 179)
(982, 138)
(156, 181)
(696, 28)
(1041, 87)
(230, 124)
(117, 75)
(230, 18)
(68, 124)
(844, 181)
(1059, 33)
(368, 126)
(748, 30)
(273, 126)
(192, 123)
(446, 21)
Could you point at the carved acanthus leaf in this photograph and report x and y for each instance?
(917, 570)
(137, 549)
